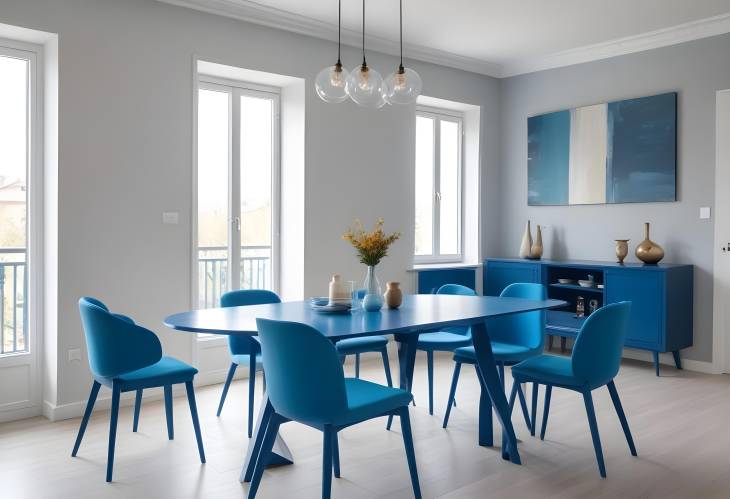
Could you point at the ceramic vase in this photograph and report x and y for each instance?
(622, 249)
(648, 251)
(373, 300)
(536, 250)
(526, 246)
(393, 295)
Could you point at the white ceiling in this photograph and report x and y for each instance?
(498, 37)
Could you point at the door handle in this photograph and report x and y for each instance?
(237, 223)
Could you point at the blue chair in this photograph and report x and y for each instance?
(514, 338)
(306, 384)
(366, 344)
(447, 340)
(245, 349)
(595, 362)
(126, 357)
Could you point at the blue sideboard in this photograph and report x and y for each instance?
(429, 280)
(661, 314)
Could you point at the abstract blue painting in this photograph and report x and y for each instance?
(619, 152)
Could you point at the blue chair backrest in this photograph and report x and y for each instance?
(598, 347)
(244, 344)
(115, 345)
(525, 329)
(304, 377)
(457, 289)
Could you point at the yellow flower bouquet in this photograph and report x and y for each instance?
(371, 246)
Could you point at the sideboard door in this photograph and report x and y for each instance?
(500, 274)
(645, 291)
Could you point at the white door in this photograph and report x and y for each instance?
(722, 232)
(19, 227)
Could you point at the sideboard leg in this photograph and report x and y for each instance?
(677, 360)
(656, 362)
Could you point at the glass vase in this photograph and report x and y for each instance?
(373, 300)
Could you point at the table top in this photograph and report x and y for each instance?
(417, 312)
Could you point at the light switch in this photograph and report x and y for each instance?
(705, 212)
(170, 217)
(74, 354)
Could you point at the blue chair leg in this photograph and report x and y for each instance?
(621, 416)
(546, 410)
(137, 407)
(386, 366)
(251, 391)
(194, 413)
(452, 393)
(588, 400)
(405, 423)
(226, 386)
(168, 412)
(523, 405)
(116, 393)
(272, 429)
(254, 449)
(429, 362)
(87, 414)
(327, 462)
(512, 396)
(335, 454)
(263, 382)
(357, 365)
(535, 391)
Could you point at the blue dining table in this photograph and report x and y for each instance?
(418, 313)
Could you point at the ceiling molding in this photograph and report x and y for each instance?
(665, 37)
(256, 13)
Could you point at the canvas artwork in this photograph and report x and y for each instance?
(618, 152)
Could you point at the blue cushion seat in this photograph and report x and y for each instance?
(361, 345)
(366, 400)
(442, 341)
(503, 352)
(548, 369)
(166, 371)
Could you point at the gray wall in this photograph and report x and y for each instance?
(125, 107)
(696, 71)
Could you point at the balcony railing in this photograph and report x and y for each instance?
(213, 271)
(13, 301)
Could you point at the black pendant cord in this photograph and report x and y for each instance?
(339, 31)
(400, 68)
(364, 63)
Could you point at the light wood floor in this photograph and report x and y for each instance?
(680, 422)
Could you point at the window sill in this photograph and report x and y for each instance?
(443, 265)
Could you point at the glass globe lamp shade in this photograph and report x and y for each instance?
(330, 84)
(403, 86)
(365, 87)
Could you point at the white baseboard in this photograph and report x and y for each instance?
(15, 414)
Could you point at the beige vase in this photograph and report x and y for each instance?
(648, 251)
(622, 249)
(393, 295)
(526, 246)
(536, 250)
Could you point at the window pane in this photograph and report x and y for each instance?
(449, 177)
(13, 203)
(424, 185)
(257, 149)
(213, 160)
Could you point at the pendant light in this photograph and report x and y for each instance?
(364, 84)
(330, 82)
(404, 85)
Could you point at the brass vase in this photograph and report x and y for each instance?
(622, 249)
(536, 250)
(648, 251)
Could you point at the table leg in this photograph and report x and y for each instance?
(407, 343)
(279, 455)
(487, 370)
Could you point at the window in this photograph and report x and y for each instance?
(17, 104)
(439, 173)
(237, 188)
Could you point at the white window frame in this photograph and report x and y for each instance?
(438, 115)
(236, 89)
(34, 220)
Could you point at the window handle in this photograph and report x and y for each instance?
(237, 223)
(438, 196)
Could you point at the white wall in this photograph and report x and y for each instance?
(125, 156)
(695, 70)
